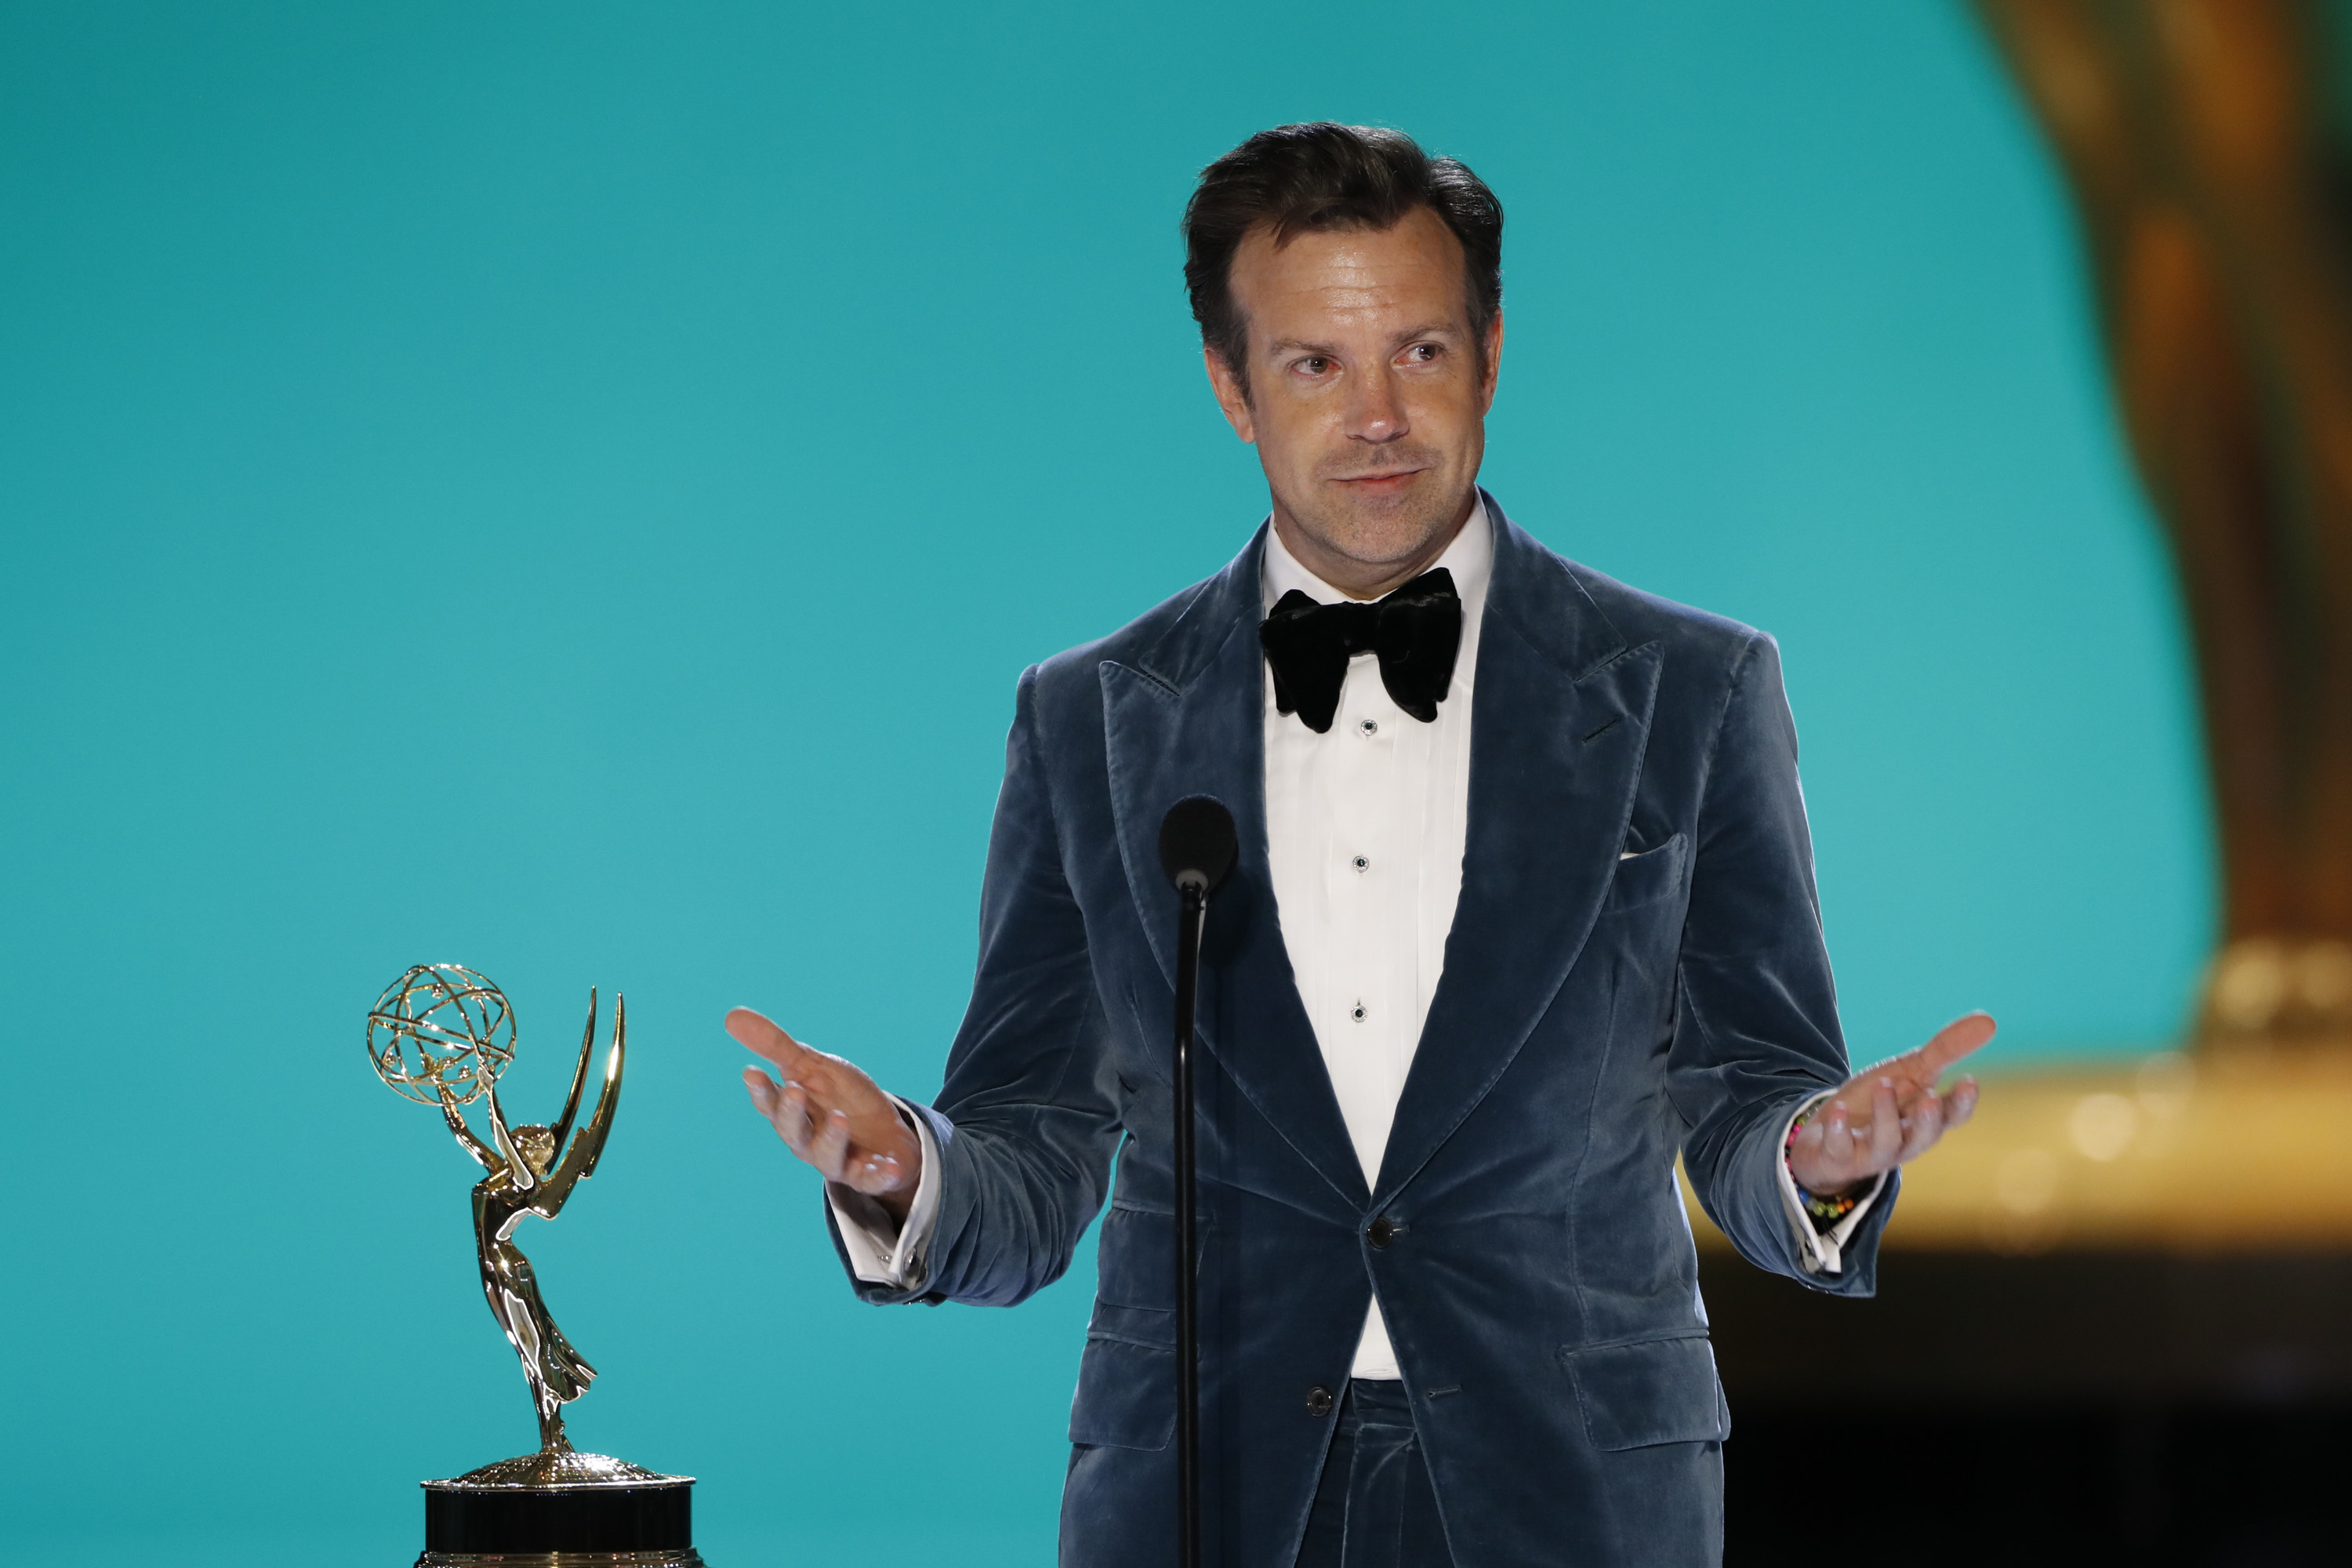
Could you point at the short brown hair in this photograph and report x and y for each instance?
(1309, 179)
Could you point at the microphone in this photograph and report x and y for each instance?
(1197, 844)
(1197, 850)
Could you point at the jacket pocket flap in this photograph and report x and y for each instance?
(1649, 1391)
(1150, 1327)
(1127, 1396)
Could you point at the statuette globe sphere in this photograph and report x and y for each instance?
(441, 1025)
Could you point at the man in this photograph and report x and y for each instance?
(1524, 907)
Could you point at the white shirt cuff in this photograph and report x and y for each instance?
(880, 1251)
(1820, 1251)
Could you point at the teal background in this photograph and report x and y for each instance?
(569, 488)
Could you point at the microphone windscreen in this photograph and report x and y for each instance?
(1197, 836)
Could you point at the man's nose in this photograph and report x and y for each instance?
(1375, 413)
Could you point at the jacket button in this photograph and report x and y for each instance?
(1318, 1401)
(1380, 1233)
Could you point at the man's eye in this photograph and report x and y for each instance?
(1314, 366)
(1421, 353)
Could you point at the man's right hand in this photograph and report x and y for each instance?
(832, 1116)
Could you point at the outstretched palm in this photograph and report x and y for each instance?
(1889, 1114)
(832, 1115)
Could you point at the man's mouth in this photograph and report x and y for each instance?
(1382, 483)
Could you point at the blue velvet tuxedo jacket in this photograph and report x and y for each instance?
(1636, 968)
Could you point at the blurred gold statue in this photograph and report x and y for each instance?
(2206, 143)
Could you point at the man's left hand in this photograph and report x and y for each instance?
(1887, 1115)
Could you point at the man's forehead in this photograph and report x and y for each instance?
(1352, 271)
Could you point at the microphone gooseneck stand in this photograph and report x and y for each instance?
(1195, 915)
(1197, 849)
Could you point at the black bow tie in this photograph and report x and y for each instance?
(1416, 631)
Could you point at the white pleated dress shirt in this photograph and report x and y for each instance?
(1366, 826)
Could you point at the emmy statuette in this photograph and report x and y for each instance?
(441, 1035)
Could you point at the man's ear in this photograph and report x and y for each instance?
(1494, 365)
(1230, 398)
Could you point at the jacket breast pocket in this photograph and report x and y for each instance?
(1647, 875)
(1642, 1392)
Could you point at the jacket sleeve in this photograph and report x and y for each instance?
(1027, 1120)
(1756, 1027)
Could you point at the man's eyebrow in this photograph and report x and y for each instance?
(1429, 330)
(1330, 351)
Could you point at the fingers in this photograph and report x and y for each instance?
(826, 1139)
(829, 1150)
(758, 1034)
(830, 1080)
(1837, 1141)
(1916, 1072)
(819, 1139)
(1831, 1152)
(832, 1116)
(1886, 1149)
(1823, 1157)
(1953, 1041)
(785, 1105)
(1905, 1116)
(1923, 1126)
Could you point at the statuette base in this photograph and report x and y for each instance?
(684, 1557)
(559, 1510)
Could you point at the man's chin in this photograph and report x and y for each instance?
(1393, 526)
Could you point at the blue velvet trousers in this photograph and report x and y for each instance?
(1374, 1507)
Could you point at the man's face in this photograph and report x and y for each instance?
(1366, 402)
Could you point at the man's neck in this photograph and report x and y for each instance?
(1367, 579)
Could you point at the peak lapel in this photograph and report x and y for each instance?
(1187, 718)
(1561, 719)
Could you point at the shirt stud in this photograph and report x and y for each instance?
(1368, 727)
(1357, 1013)
(1361, 864)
